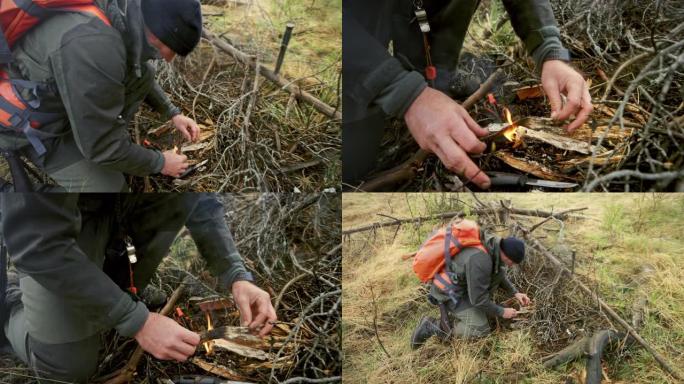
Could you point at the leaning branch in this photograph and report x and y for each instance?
(447, 215)
(271, 76)
(659, 358)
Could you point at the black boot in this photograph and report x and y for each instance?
(427, 327)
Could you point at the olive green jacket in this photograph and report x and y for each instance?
(93, 70)
(478, 275)
(59, 240)
(390, 79)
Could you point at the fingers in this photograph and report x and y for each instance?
(464, 133)
(184, 349)
(195, 130)
(266, 308)
(584, 113)
(467, 140)
(575, 90)
(185, 133)
(191, 338)
(458, 161)
(553, 92)
(242, 303)
(472, 124)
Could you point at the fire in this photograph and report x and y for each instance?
(511, 131)
(209, 345)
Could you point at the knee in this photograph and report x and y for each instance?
(71, 362)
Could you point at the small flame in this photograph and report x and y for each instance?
(209, 345)
(510, 131)
(175, 149)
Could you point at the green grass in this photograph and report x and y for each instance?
(620, 235)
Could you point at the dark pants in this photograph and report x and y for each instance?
(49, 335)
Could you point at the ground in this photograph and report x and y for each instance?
(620, 236)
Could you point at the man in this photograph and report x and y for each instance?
(64, 300)
(99, 75)
(478, 275)
(379, 85)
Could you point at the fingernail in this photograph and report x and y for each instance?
(553, 115)
(486, 185)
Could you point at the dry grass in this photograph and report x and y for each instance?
(621, 234)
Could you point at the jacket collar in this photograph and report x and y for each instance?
(126, 17)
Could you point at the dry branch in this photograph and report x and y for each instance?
(125, 374)
(278, 80)
(447, 215)
(659, 358)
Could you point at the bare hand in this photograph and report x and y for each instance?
(559, 78)
(442, 126)
(187, 126)
(256, 310)
(174, 164)
(509, 313)
(522, 299)
(164, 339)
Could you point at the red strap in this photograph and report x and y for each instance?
(430, 72)
(92, 10)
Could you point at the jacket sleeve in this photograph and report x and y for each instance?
(506, 283)
(372, 77)
(158, 100)
(40, 232)
(534, 22)
(210, 233)
(478, 277)
(90, 71)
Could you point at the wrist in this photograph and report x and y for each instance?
(173, 112)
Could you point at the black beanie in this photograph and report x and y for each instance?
(514, 249)
(177, 23)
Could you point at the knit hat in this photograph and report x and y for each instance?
(176, 23)
(514, 249)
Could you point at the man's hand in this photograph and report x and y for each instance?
(174, 164)
(187, 126)
(256, 310)
(522, 299)
(442, 126)
(509, 313)
(559, 78)
(165, 339)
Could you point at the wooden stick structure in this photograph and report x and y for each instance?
(273, 77)
(446, 215)
(605, 307)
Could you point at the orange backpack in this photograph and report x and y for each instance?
(19, 116)
(434, 256)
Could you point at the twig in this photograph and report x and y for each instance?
(308, 380)
(375, 323)
(632, 173)
(516, 211)
(268, 74)
(126, 373)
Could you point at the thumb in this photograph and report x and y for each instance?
(553, 92)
